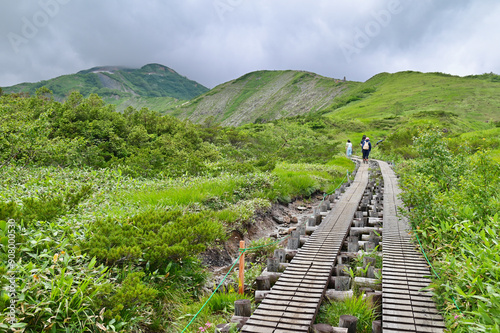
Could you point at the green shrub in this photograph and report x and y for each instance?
(132, 293)
(47, 207)
(84, 131)
(59, 294)
(156, 236)
(262, 248)
(9, 210)
(453, 203)
(44, 208)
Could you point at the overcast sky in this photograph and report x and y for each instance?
(214, 41)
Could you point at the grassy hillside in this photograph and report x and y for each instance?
(396, 106)
(157, 104)
(263, 96)
(474, 99)
(122, 86)
(382, 103)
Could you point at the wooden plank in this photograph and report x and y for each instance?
(399, 319)
(250, 327)
(397, 326)
(294, 298)
(386, 300)
(429, 323)
(260, 323)
(300, 279)
(400, 277)
(264, 315)
(397, 296)
(396, 313)
(313, 290)
(290, 309)
(301, 284)
(294, 327)
(428, 329)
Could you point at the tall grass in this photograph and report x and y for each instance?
(218, 310)
(285, 182)
(305, 179)
(355, 306)
(184, 195)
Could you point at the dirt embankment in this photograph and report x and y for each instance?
(275, 223)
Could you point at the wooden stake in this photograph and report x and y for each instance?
(242, 269)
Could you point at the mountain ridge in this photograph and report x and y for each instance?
(118, 84)
(268, 95)
(262, 96)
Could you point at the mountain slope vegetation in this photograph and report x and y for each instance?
(380, 103)
(472, 100)
(121, 86)
(263, 96)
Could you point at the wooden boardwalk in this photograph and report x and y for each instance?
(293, 302)
(405, 306)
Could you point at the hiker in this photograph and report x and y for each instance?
(362, 141)
(348, 147)
(367, 147)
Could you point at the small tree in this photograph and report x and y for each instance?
(43, 92)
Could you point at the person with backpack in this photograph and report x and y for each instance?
(361, 143)
(366, 148)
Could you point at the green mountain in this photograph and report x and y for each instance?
(263, 96)
(384, 102)
(150, 85)
(381, 102)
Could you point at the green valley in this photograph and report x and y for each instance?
(117, 184)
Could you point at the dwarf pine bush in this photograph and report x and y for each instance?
(132, 293)
(156, 236)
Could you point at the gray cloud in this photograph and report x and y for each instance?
(214, 41)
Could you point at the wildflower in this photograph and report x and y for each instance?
(56, 256)
(456, 316)
(208, 324)
(63, 252)
(36, 277)
(202, 329)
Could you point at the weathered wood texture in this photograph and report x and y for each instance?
(405, 306)
(293, 302)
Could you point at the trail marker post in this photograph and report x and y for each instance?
(241, 284)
